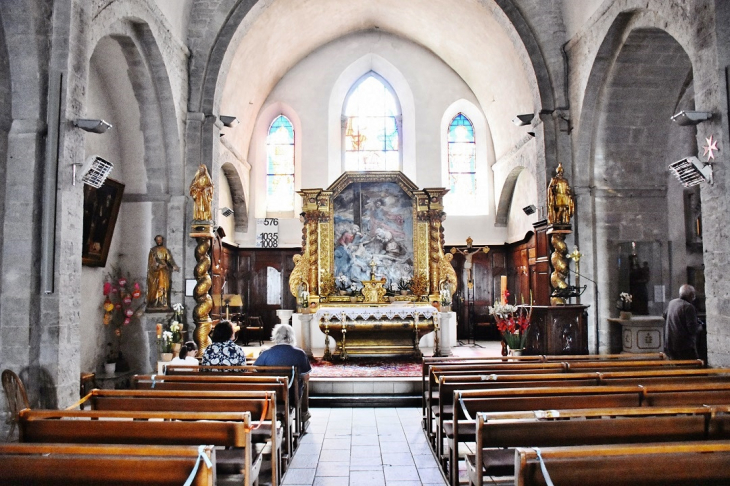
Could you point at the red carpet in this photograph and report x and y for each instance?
(366, 368)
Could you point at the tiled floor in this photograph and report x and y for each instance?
(364, 447)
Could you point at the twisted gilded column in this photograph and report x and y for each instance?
(559, 263)
(203, 301)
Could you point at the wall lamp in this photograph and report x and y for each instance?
(691, 171)
(689, 118)
(92, 126)
(529, 209)
(229, 121)
(93, 172)
(522, 120)
(226, 211)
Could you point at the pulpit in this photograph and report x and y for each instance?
(559, 329)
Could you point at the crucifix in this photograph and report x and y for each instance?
(468, 253)
(372, 266)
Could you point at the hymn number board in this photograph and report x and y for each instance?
(267, 233)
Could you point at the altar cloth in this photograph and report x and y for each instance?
(379, 312)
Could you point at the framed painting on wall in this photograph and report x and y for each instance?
(101, 207)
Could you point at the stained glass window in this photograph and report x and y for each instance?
(371, 129)
(280, 166)
(462, 162)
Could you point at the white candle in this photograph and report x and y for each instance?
(504, 289)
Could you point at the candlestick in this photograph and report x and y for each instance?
(504, 289)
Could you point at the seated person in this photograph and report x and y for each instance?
(187, 355)
(223, 351)
(284, 353)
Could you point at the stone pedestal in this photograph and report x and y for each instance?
(641, 334)
(302, 324)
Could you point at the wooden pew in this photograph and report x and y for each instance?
(261, 405)
(454, 360)
(295, 380)
(229, 430)
(276, 384)
(537, 368)
(467, 403)
(53, 464)
(433, 395)
(666, 464)
(499, 433)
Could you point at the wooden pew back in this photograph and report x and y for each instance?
(52, 464)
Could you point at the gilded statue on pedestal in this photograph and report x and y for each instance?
(447, 274)
(561, 205)
(201, 189)
(160, 265)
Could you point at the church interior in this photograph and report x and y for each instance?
(384, 176)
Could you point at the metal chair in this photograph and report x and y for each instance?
(16, 396)
(254, 328)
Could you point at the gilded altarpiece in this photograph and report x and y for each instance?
(367, 232)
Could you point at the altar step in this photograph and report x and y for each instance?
(365, 392)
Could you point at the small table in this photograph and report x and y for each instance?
(641, 334)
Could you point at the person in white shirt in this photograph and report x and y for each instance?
(187, 355)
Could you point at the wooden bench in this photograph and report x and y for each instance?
(667, 464)
(295, 382)
(261, 405)
(276, 384)
(467, 403)
(497, 434)
(52, 464)
(231, 431)
(433, 395)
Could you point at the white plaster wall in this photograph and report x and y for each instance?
(305, 90)
(177, 13)
(518, 223)
(576, 14)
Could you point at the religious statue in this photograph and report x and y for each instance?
(561, 206)
(447, 274)
(298, 275)
(160, 264)
(201, 189)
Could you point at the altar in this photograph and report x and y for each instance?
(372, 266)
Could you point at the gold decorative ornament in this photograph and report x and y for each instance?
(559, 263)
(160, 265)
(201, 190)
(561, 205)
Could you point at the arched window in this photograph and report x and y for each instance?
(280, 166)
(372, 116)
(461, 162)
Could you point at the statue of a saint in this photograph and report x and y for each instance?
(160, 265)
(561, 206)
(447, 274)
(201, 189)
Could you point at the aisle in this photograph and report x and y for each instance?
(364, 447)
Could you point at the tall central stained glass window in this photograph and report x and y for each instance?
(462, 163)
(371, 126)
(280, 166)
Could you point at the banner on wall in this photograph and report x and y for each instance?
(267, 233)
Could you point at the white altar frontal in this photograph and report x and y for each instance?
(311, 338)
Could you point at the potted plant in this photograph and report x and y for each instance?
(623, 304)
(512, 322)
(166, 346)
(343, 284)
(404, 286)
(176, 327)
(110, 364)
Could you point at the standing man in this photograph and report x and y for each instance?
(682, 327)
(160, 266)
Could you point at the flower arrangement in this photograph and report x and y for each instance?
(419, 284)
(513, 322)
(342, 283)
(624, 302)
(404, 285)
(123, 302)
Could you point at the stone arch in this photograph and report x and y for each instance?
(218, 27)
(621, 114)
(505, 196)
(240, 209)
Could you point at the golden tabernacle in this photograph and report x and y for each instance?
(372, 262)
